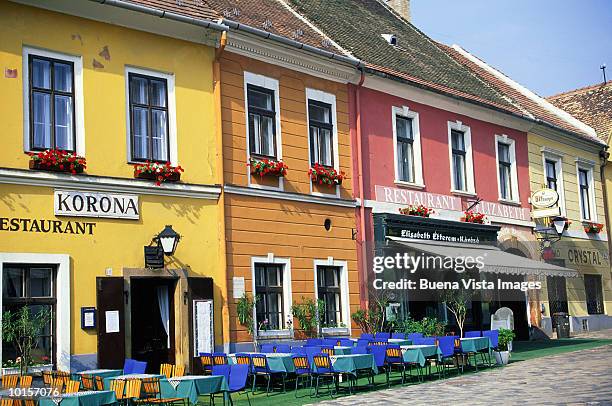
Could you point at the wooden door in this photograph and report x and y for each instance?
(199, 289)
(111, 306)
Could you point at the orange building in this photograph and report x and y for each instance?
(288, 238)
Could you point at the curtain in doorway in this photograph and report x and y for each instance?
(164, 309)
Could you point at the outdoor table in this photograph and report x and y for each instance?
(475, 344)
(277, 361)
(399, 341)
(350, 364)
(342, 350)
(88, 398)
(107, 381)
(190, 387)
(103, 373)
(419, 353)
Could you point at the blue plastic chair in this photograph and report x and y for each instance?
(207, 362)
(412, 336)
(261, 368)
(347, 342)
(379, 353)
(323, 369)
(311, 342)
(302, 369)
(424, 341)
(446, 344)
(220, 370)
(493, 336)
(299, 350)
(359, 350)
(267, 348)
(128, 366)
(283, 348)
(311, 352)
(238, 379)
(139, 367)
(382, 336)
(394, 358)
(219, 358)
(401, 336)
(329, 342)
(472, 334)
(367, 336)
(363, 342)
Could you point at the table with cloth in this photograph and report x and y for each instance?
(475, 344)
(107, 381)
(350, 364)
(88, 398)
(190, 387)
(103, 373)
(418, 354)
(277, 361)
(399, 341)
(338, 349)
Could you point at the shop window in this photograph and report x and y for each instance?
(321, 129)
(149, 118)
(594, 294)
(328, 290)
(32, 287)
(269, 293)
(51, 103)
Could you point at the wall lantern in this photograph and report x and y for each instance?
(560, 224)
(168, 239)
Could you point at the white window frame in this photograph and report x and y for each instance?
(586, 165)
(504, 139)
(344, 289)
(172, 137)
(469, 159)
(287, 295)
(413, 116)
(329, 98)
(63, 307)
(273, 85)
(558, 160)
(79, 122)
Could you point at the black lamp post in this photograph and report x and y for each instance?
(168, 239)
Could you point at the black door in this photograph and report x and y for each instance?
(557, 296)
(111, 304)
(199, 289)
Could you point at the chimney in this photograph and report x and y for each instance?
(402, 7)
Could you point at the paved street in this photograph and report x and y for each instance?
(575, 378)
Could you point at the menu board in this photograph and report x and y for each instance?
(203, 334)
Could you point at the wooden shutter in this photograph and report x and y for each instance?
(111, 345)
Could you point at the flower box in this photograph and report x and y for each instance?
(158, 172)
(592, 228)
(473, 217)
(266, 167)
(55, 160)
(324, 175)
(420, 211)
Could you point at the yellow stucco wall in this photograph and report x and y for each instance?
(575, 286)
(115, 243)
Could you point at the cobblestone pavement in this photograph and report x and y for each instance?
(574, 378)
(606, 334)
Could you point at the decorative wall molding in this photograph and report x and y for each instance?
(296, 197)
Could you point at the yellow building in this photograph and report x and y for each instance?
(117, 95)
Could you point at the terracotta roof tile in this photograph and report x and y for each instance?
(591, 105)
(190, 8)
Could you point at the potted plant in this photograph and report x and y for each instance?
(324, 175)
(308, 315)
(267, 167)
(592, 228)
(158, 171)
(471, 216)
(245, 308)
(419, 210)
(504, 346)
(22, 328)
(57, 160)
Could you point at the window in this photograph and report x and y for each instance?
(550, 170)
(149, 118)
(269, 291)
(405, 150)
(262, 121)
(32, 287)
(328, 290)
(458, 160)
(51, 103)
(505, 171)
(321, 130)
(594, 294)
(584, 183)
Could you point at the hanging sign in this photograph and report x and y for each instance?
(96, 204)
(548, 212)
(544, 198)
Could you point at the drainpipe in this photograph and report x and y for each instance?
(604, 155)
(221, 204)
(363, 292)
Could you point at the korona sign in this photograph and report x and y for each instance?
(95, 204)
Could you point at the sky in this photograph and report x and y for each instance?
(549, 46)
